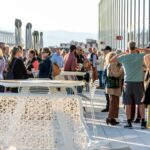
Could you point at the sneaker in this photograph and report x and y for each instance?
(143, 125)
(105, 110)
(128, 126)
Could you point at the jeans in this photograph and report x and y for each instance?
(100, 77)
(1, 89)
(69, 91)
(79, 89)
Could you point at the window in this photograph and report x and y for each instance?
(125, 23)
(137, 17)
(133, 19)
(141, 23)
(129, 19)
(146, 25)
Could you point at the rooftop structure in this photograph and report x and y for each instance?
(7, 37)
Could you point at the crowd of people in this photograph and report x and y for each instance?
(119, 73)
(125, 76)
(18, 63)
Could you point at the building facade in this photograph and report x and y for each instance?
(7, 37)
(123, 20)
(90, 43)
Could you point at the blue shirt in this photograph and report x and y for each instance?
(58, 60)
(133, 67)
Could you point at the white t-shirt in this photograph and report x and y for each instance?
(100, 63)
(94, 60)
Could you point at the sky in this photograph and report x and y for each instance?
(45, 15)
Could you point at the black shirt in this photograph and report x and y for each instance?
(80, 59)
(19, 70)
(45, 68)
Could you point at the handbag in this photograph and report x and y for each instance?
(10, 74)
(56, 70)
(112, 82)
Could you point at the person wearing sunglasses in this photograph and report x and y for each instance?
(45, 67)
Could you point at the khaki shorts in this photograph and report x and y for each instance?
(133, 91)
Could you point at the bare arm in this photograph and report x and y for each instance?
(116, 71)
(147, 60)
(145, 50)
(115, 58)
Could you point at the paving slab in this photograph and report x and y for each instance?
(114, 137)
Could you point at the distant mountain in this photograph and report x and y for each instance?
(54, 38)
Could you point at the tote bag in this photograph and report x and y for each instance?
(112, 82)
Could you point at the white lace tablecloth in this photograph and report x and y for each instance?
(52, 122)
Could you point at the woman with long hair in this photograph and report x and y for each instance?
(19, 69)
(115, 73)
(16, 65)
(45, 66)
(32, 63)
(147, 80)
(2, 68)
(146, 98)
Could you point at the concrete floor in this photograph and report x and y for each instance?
(114, 137)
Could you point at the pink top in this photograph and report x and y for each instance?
(36, 65)
(70, 62)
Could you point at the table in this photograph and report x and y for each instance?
(63, 73)
(40, 82)
(69, 75)
(42, 121)
(72, 73)
(38, 85)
